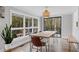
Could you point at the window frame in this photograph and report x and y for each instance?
(24, 26)
(54, 28)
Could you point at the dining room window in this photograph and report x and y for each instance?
(17, 21)
(17, 24)
(35, 22)
(53, 24)
(31, 25)
(29, 22)
(23, 25)
(26, 22)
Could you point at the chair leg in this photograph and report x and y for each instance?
(30, 47)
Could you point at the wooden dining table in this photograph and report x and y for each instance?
(45, 34)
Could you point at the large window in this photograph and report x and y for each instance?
(53, 24)
(35, 22)
(47, 24)
(17, 24)
(26, 22)
(29, 22)
(22, 25)
(17, 21)
(31, 25)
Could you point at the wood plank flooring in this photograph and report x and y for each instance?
(56, 45)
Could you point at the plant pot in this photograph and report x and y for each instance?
(7, 46)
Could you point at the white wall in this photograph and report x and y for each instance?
(3, 22)
(66, 25)
(76, 19)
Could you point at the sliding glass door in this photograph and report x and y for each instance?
(53, 24)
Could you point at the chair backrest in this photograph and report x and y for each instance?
(36, 41)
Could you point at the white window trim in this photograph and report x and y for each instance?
(24, 16)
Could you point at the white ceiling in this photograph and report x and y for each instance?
(54, 10)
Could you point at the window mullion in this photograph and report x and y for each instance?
(24, 26)
(38, 25)
(32, 24)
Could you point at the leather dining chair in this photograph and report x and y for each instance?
(36, 41)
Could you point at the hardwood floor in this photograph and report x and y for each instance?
(56, 45)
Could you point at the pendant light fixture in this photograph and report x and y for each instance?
(46, 12)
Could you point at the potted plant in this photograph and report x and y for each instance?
(7, 35)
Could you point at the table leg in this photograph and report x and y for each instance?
(30, 44)
(30, 47)
(48, 44)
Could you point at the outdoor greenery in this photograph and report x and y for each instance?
(53, 23)
(47, 24)
(29, 22)
(17, 21)
(26, 22)
(35, 22)
(19, 24)
(7, 35)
